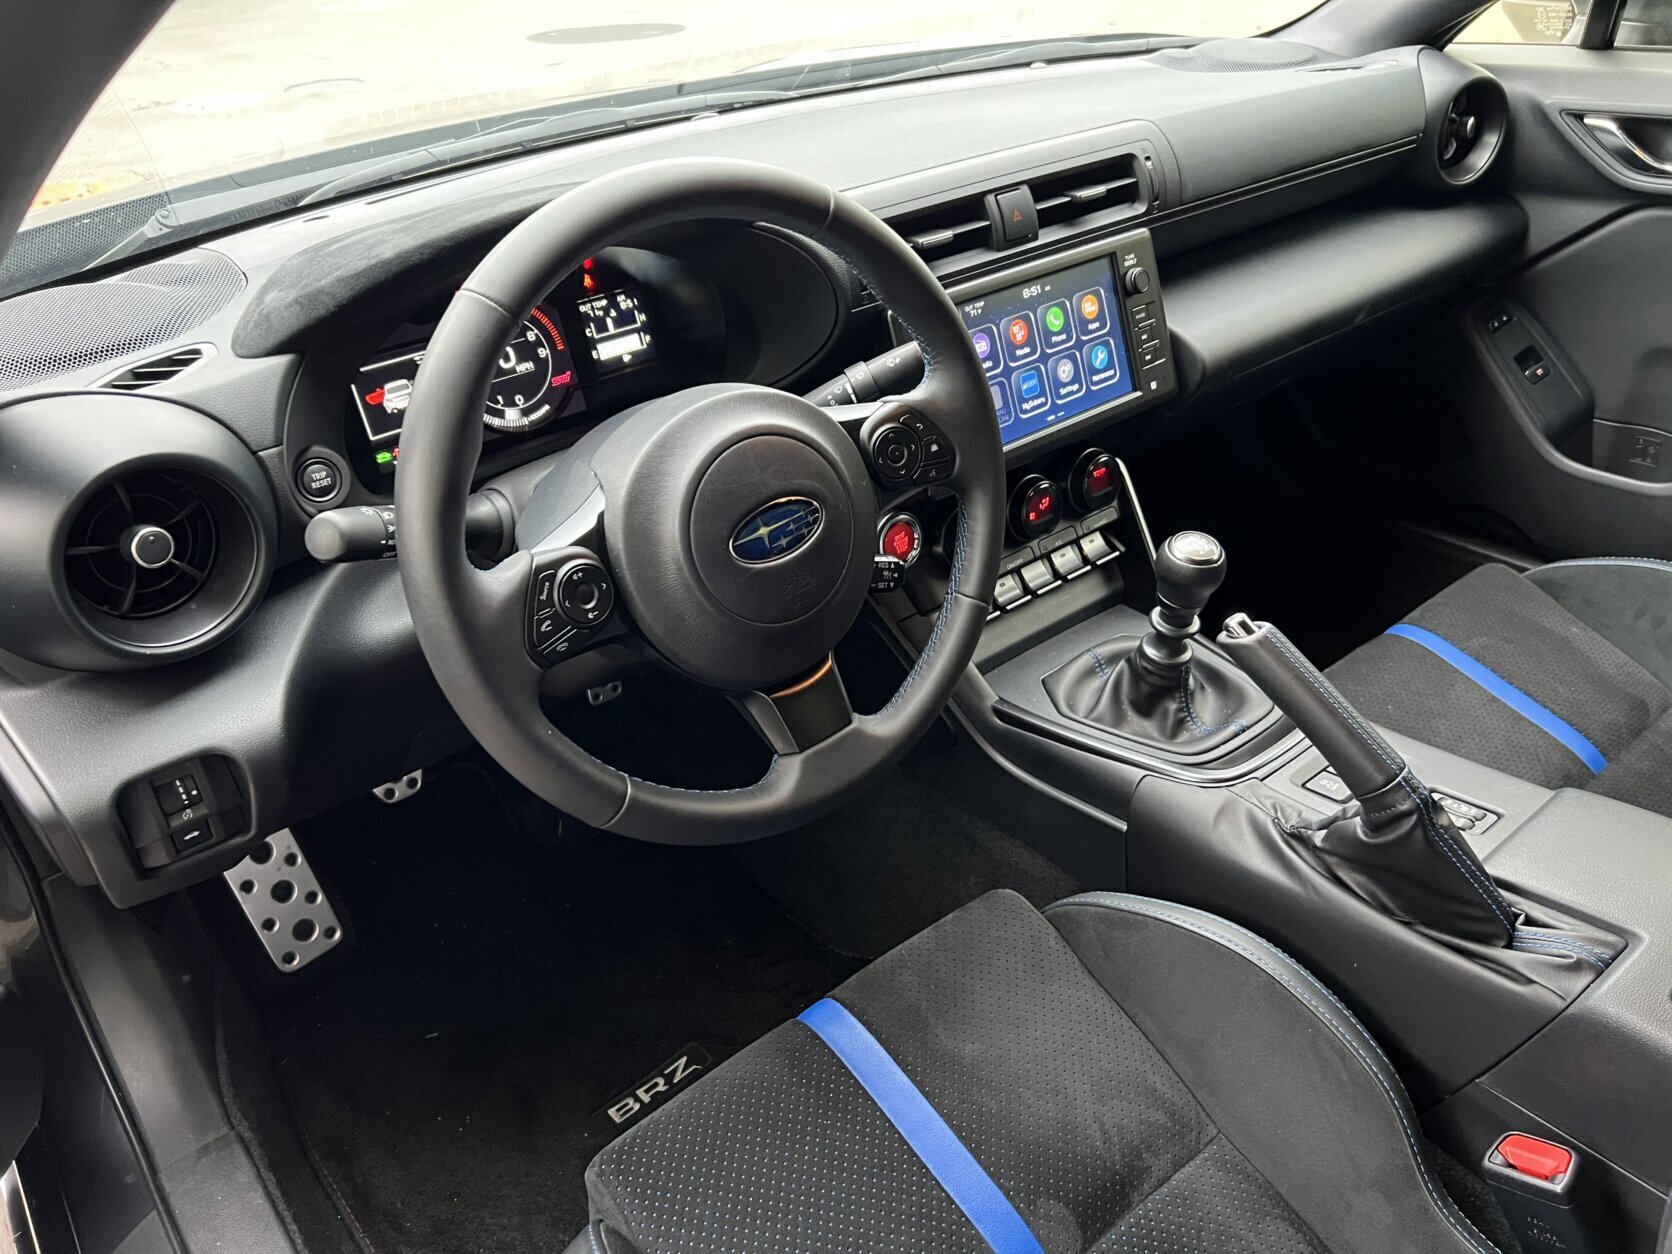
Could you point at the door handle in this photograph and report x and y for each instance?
(1615, 140)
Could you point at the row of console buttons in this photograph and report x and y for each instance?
(1057, 565)
(1464, 817)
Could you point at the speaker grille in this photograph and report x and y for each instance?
(59, 330)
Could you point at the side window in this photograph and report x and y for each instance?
(1643, 24)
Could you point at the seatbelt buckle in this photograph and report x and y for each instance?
(1533, 1179)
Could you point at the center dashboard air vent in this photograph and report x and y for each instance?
(1075, 197)
(143, 545)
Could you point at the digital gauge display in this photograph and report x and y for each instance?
(617, 330)
(533, 382)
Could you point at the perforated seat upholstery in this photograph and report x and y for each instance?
(1588, 642)
(1132, 1075)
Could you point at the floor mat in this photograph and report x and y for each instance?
(894, 861)
(450, 1076)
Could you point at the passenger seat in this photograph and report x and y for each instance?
(1561, 676)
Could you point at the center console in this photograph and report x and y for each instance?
(1510, 947)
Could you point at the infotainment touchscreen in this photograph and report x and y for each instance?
(1052, 347)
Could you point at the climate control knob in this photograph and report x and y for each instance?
(1095, 481)
(1035, 508)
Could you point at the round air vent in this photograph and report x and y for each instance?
(1469, 134)
(143, 545)
(138, 531)
(1459, 131)
(1468, 115)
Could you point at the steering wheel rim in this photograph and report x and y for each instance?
(466, 618)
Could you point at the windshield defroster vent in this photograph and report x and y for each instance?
(155, 370)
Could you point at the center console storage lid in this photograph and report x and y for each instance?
(1602, 1072)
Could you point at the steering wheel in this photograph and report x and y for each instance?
(728, 529)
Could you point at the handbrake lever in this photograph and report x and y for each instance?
(1401, 850)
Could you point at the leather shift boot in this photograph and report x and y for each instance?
(1213, 702)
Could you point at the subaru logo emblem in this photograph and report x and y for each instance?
(776, 530)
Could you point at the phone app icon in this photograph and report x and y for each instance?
(986, 341)
(1021, 343)
(1067, 380)
(1032, 396)
(1091, 313)
(1001, 401)
(1057, 324)
(1102, 366)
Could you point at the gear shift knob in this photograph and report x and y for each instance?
(1189, 567)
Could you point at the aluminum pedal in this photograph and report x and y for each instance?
(281, 897)
(398, 790)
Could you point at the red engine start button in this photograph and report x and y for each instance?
(901, 539)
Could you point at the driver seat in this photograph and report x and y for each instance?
(1117, 1074)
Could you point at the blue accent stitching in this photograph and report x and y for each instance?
(1489, 681)
(1567, 942)
(592, 1236)
(930, 1137)
(1196, 724)
(1442, 1203)
(1477, 880)
(1097, 662)
(1540, 946)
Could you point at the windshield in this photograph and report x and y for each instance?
(235, 107)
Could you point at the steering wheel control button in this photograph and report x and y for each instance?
(585, 595)
(896, 452)
(567, 601)
(545, 592)
(1096, 480)
(1035, 508)
(318, 480)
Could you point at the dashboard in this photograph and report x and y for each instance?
(261, 378)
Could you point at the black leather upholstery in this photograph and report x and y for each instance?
(1133, 1075)
(1590, 640)
(1212, 704)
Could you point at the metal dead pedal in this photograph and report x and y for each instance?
(398, 790)
(284, 903)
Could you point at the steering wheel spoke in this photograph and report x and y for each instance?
(802, 714)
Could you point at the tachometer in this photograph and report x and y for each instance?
(532, 378)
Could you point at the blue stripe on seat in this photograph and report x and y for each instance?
(1540, 716)
(948, 1159)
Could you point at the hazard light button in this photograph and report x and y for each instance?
(1015, 216)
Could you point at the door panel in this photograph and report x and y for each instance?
(1587, 317)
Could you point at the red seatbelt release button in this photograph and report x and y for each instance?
(1542, 1160)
